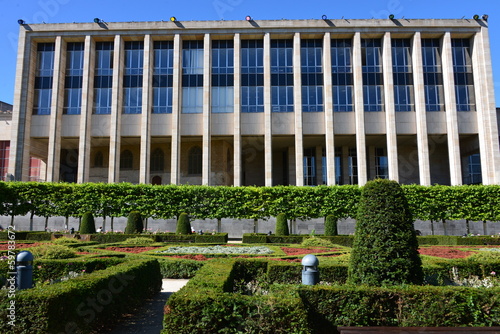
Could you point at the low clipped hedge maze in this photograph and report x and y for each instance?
(211, 302)
(81, 304)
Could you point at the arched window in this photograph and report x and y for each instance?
(99, 159)
(126, 160)
(194, 162)
(157, 160)
(156, 180)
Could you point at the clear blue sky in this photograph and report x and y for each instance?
(66, 11)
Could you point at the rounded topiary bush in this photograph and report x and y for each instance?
(331, 225)
(282, 225)
(134, 223)
(385, 247)
(88, 224)
(183, 224)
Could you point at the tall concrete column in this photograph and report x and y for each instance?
(175, 164)
(486, 108)
(116, 112)
(451, 112)
(237, 112)
(297, 100)
(19, 159)
(268, 144)
(207, 142)
(329, 114)
(357, 72)
(420, 113)
(147, 99)
(390, 112)
(85, 143)
(57, 104)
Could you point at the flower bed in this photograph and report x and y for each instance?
(256, 250)
(5, 246)
(447, 252)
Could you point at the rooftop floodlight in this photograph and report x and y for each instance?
(485, 17)
(173, 19)
(248, 18)
(324, 17)
(97, 20)
(21, 22)
(476, 17)
(391, 16)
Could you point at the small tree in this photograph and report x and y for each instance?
(282, 225)
(88, 224)
(134, 223)
(331, 225)
(385, 248)
(183, 224)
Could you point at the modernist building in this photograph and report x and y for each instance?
(302, 102)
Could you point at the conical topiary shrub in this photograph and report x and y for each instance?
(385, 247)
(282, 225)
(331, 225)
(134, 223)
(183, 224)
(87, 225)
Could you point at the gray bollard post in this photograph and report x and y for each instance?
(310, 273)
(24, 268)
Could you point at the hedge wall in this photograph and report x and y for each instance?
(205, 306)
(80, 304)
(412, 306)
(436, 203)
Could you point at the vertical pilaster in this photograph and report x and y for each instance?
(54, 151)
(390, 113)
(116, 112)
(22, 109)
(176, 109)
(297, 97)
(486, 111)
(329, 114)
(237, 112)
(420, 113)
(84, 145)
(207, 67)
(268, 145)
(451, 112)
(147, 98)
(359, 110)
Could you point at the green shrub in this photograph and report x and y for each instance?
(179, 268)
(316, 242)
(183, 224)
(281, 225)
(331, 225)
(88, 224)
(65, 241)
(64, 307)
(134, 223)
(385, 249)
(49, 251)
(139, 241)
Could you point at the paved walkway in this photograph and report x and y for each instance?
(149, 318)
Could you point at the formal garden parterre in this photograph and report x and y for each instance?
(255, 286)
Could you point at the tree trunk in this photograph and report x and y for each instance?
(104, 223)
(112, 224)
(255, 226)
(146, 224)
(485, 228)
(468, 226)
(444, 227)
(219, 225)
(46, 223)
(432, 227)
(31, 221)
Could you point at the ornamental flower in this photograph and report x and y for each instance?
(493, 273)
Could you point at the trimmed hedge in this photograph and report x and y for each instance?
(134, 223)
(179, 268)
(436, 203)
(411, 306)
(261, 238)
(205, 306)
(82, 303)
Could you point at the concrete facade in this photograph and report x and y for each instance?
(258, 142)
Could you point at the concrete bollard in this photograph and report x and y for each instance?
(24, 268)
(310, 273)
